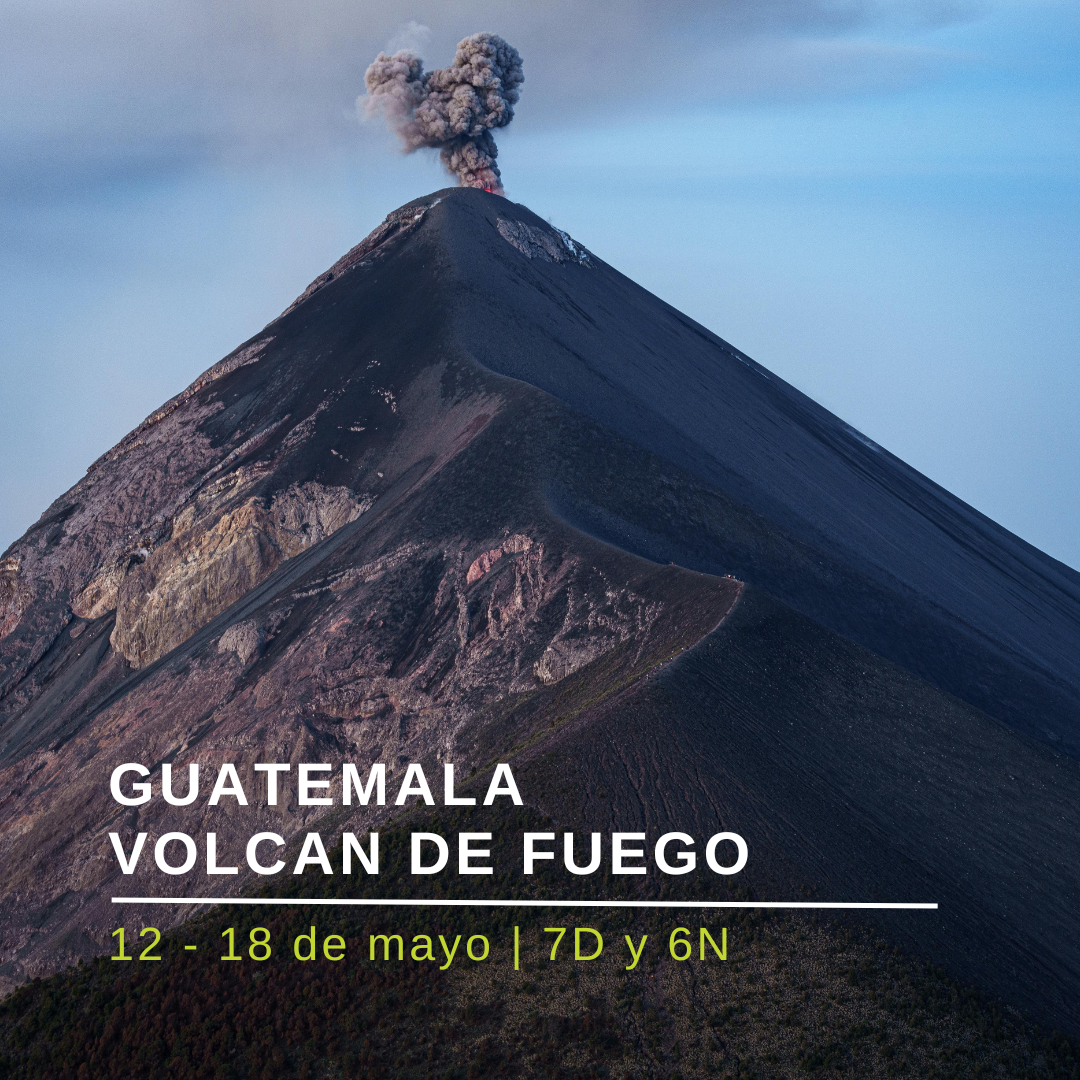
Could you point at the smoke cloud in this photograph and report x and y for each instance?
(451, 109)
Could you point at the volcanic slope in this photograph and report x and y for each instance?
(476, 496)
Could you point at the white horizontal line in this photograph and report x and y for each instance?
(347, 902)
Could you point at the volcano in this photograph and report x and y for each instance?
(476, 496)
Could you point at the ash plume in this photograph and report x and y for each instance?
(451, 109)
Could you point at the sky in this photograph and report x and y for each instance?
(879, 200)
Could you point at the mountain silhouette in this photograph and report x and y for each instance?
(476, 496)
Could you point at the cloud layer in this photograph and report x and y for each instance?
(97, 89)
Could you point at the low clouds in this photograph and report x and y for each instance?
(94, 90)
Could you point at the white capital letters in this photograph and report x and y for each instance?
(414, 772)
(710, 853)
(271, 780)
(351, 846)
(306, 785)
(502, 772)
(465, 853)
(444, 852)
(313, 842)
(142, 791)
(228, 774)
(531, 854)
(193, 786)
(128, 864)
(568, 855)
(252, 853)
(448, 789)
(618, 853)
(211, 858)
(159, 852)
(350, 781)
(687, 859)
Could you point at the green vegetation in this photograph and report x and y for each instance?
(796, 997)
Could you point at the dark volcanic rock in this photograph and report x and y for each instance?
(474, 497)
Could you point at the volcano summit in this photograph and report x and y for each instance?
(476, 497)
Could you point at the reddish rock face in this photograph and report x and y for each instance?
(285, 563)
(211, 561)
(475, 497)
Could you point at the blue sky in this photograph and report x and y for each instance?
(878, 201)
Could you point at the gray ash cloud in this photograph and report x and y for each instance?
(453, 109)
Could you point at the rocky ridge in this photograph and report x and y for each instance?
(475, 497)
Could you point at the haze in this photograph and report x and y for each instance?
(877, 201)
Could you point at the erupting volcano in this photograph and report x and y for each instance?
(451, 109)
(476, 497)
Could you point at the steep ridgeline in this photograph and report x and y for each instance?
(477, 497)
